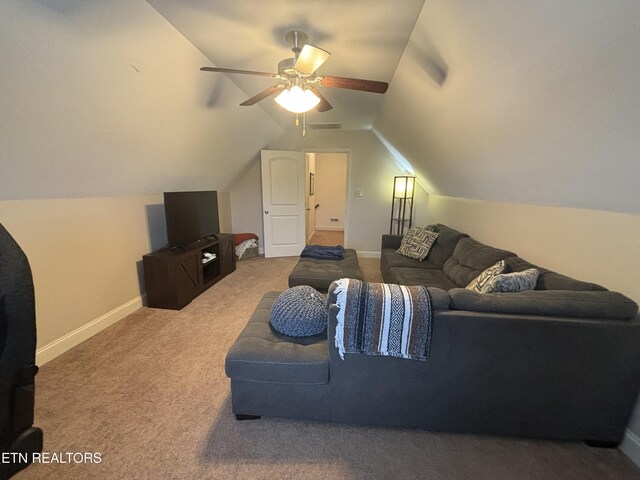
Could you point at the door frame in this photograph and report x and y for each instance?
(347, 203)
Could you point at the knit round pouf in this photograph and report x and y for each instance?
(299, 312)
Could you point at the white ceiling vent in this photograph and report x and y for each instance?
(325, 126)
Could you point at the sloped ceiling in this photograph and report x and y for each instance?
(366, 39)
(105, 99)
(521, 101)
(514, 101)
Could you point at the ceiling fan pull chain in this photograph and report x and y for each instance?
(297, 120)
(304, 124)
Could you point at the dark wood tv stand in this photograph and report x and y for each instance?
(176, 276)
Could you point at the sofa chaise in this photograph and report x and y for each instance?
(558, 362)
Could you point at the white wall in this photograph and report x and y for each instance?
(331, 186)
(246, 201)
(522, 102)
(103, 108)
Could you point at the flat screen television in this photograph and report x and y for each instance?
(190, 216)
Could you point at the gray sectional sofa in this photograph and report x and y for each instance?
(560, 362)
(456, 259)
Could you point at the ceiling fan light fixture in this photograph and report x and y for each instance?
(297, 100)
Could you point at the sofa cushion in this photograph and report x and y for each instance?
(549, 280)
(299, 312)
(417, 243)
(444, 245)
(320, 273)
(389, 259)
(261, 354)
(562, 303)
(481, 280)
(439, 298)
(420, 276)
(469, 259)
(512, 282)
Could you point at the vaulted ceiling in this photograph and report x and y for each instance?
(506, 100)
(517, 101)
(522, 102)
(366, 39)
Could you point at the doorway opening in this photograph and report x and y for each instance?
(327, 196)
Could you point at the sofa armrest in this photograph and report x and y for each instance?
(391, 241)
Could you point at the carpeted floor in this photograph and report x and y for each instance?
(150, 394)
(327, 237)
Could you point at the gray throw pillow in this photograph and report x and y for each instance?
(299, 312)
(417, 243)
(512, 282)
(482, 279)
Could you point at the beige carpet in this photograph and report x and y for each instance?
(328, 238)
(150, 395)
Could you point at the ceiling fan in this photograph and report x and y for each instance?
(299, 82)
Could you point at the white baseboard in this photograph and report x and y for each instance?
(365, 254)
(310, 235)
(630, 446)
(79, 335)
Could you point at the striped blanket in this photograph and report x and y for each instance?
(383, 319)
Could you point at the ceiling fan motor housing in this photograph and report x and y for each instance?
(286, 66)
(297, 40)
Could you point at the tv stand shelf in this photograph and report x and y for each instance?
(176, 276)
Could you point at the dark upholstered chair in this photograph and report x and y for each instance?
(17, 358)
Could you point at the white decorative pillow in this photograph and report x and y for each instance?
(482, 279)
(512, 282)
(417, 243)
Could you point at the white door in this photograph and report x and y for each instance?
(283, 202)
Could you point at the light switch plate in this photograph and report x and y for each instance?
(359, 193)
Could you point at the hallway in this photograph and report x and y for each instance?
(328, 238)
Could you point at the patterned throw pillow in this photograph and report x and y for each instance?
(482, 279)
(512, 282)
(417, 243)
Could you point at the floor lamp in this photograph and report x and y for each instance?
(402, 204)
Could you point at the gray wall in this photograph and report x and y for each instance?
(522, 102)
(106, 99)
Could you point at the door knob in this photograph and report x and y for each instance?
(266, 211)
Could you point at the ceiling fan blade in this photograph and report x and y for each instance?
(233, 70)
(262, 95)
(324, 105)
(310, 59)
(354, 84)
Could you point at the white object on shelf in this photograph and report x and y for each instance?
(208, 257)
